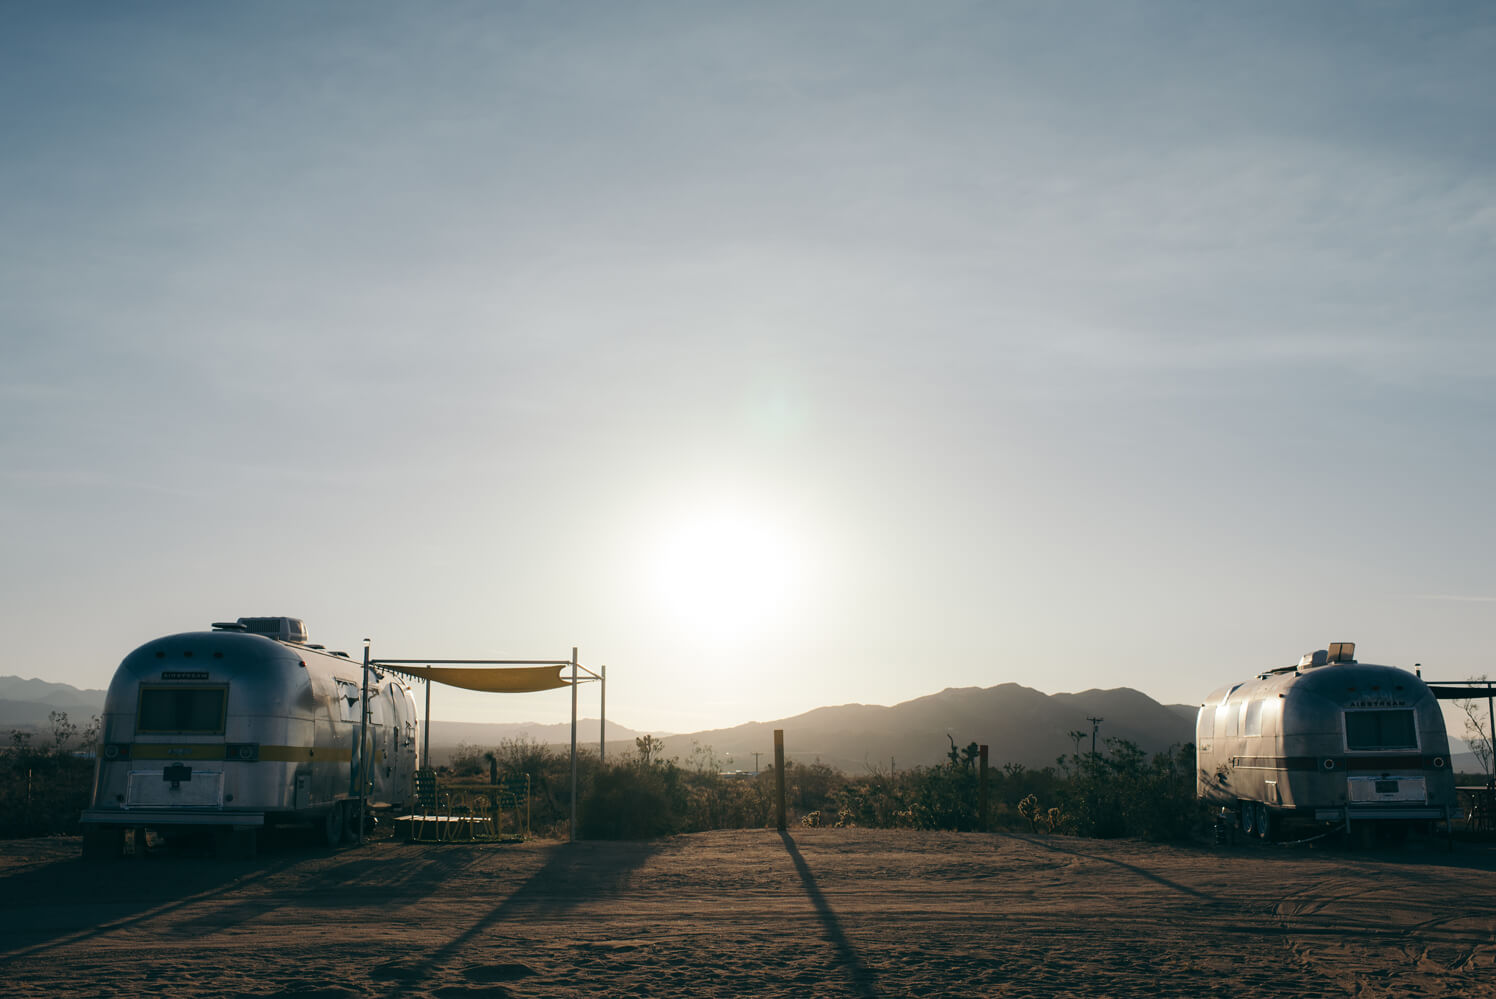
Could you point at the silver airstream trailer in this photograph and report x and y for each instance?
(1328, 741)
(244, 726)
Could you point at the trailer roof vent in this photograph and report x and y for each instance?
(1342, 652)
(283, 629)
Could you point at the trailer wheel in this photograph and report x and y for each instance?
(350, 822)
(1249, 818)
(332, 825)
(1264, 823)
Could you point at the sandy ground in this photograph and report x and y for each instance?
(822, 912)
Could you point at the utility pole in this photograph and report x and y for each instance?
(1095, 724)
(755, 762)
(571, 825)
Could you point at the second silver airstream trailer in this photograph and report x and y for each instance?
(245, 726)
(1328, 741)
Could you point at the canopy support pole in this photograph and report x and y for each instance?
(571, 826)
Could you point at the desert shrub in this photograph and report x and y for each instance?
(631, 802)
(808, 787)
(43, 790)
(467, 761)
(1124, 793)
(1120, 793)
(716, 802)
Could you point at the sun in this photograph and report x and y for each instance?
(725, 574)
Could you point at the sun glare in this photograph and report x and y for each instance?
(725, 575)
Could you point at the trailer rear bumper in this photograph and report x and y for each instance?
(1379, 813)
(168, 817)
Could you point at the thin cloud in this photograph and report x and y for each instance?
(1456, 597)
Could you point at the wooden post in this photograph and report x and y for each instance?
(982, 792)
(779, 775)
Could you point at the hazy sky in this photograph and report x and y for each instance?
(775, 355)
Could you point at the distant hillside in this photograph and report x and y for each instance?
(1018, 724)
(446, 736)
(27, 703)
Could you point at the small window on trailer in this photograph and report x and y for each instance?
(350, 695)
(1227, 715)
(1252, 723)
(1233, 718)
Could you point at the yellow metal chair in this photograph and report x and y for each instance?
(484, 815)
(428, 820)
(459, 819)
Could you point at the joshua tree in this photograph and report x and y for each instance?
(648, 747)
(63, 730)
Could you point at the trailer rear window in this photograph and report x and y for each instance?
(195, 710)
(1380, 730)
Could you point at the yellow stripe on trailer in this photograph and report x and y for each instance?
(306, 754)
(270, 754)
(192, 751)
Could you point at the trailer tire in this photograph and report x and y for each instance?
(350, 822)
(333, 825)
(1264, 823)
(1249, 818)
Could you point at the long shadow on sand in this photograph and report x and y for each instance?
(863, 980)
(354, 884)
(573, 874)
(68, 900)
(1146, 875)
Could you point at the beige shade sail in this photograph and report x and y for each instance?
(493, 680)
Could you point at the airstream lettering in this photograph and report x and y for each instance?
(242, 726)
(1329, 741)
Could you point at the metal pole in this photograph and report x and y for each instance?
(426, 731)
(571, 825)
(602, 726)
(363, 755)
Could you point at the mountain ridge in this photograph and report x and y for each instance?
(1019, 724)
